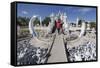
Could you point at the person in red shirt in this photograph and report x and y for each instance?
(58, 25)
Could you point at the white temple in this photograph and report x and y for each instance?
(65, 24)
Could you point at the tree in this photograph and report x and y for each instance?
(80, 22)
(37, 21)
(23, 21)
(92, 24)
(46, 21)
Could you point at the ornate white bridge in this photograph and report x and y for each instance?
(58, 53)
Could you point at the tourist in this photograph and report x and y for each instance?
(58, 25)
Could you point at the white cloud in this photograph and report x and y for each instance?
(24, 12)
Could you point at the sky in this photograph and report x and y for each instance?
(72, 12)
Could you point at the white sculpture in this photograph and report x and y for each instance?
(65, 23)
(34, 40)
(77, 20)
(88, 26)
(40, 22)
(83, 29)
(51, 24)
(31, 28)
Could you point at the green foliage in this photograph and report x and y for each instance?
(92, 24)
(22, 21)
(80, 22)
(46, 21)
(36, 21)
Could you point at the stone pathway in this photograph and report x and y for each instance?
(58, 53)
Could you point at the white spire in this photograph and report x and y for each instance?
(77, 20)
